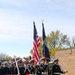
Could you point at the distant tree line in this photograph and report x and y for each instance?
(4, 57)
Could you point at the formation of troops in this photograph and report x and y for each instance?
(28, 67)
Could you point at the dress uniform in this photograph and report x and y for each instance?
(42, 67)
(56, 69)
(12, 69)
(6, 69)
(32, 66)
(20, 67)
(27, 70)
(26, 66)
(1, 71)
(50, 65)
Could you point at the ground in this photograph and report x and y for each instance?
(67, 60)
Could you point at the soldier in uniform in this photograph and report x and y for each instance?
(56, 69)
(50, 65)
(41, 69)
(26, 66)
(12, 68)
(6, 69)
(1, 72)
(20, 67)
(32, 66)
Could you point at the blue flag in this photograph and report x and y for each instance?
(45, 48)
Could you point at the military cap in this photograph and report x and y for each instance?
(26, 58)
(20, 61)
(32, 60)
(43, 58)
(55, 60)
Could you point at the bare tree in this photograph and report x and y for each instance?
(69, 43)
(4, 56)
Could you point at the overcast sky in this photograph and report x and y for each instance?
(16, 22)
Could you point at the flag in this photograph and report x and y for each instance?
(36, 44)
(45, 48)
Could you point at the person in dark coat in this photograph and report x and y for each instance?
(6, 69)
(27, 66)
(20, 67)
(1, 71)
(12, 69)
(41, 68)
(32, 66)
(56, 69)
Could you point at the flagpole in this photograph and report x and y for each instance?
(42, 37)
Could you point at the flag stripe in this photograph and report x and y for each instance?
(37, 41)
(36, 44)
(36, 50)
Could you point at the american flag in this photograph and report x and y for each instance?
(36, 44)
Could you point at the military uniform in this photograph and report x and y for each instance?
(6, 69)
(20, 68)
(27, 69)
(32, 66)
(1, 71)
(41, 69)
(50, 65)
(12, 69)
(56, 69)
(38, 69)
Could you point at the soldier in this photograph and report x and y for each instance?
(26, 61)
(38, 69)
(12, 68)
(32, 66)
(50, 65)
(26, 65)
(41, 69)
(2, 68)
(56, 69)
(6, 69)
(1, 72)
(20, 67)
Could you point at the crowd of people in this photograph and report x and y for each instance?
(28, 67)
